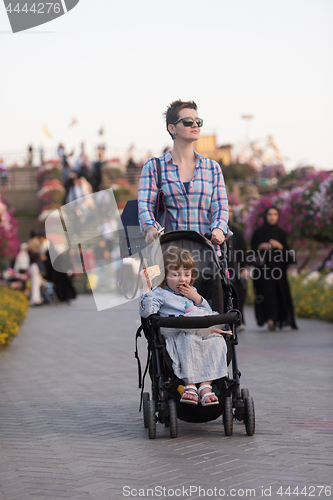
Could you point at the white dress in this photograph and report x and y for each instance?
(195, 358)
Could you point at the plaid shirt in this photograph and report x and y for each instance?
(203, 209)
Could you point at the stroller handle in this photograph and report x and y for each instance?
(182, 322)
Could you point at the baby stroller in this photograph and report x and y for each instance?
(162, 404)
(48, 293)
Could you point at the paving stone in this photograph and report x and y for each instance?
(71, 427)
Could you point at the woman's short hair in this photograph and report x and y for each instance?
(172, 112)
(174, 258)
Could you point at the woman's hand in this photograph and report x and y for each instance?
(151, 235)
(189, 292)
(276, 244)
(264, 246)
(217, 236)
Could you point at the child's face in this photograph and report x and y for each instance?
(177, 277)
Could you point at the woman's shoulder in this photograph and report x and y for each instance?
(151, 162)
(208, 162)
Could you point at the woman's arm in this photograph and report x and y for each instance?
(147, 196)
(219, 203)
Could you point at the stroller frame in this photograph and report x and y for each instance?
(163, 404)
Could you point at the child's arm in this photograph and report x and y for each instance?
(150, 301)
(147, 275)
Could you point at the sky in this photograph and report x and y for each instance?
(118, 64)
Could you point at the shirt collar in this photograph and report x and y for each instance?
(175, 293)
(168, 157)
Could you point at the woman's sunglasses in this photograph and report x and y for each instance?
(188, 122)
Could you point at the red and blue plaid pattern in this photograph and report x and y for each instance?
(204, 208)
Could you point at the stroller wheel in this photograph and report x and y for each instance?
(145, 399)
(249, 416)
(245, 393)
(151, 419)
(228, 417)
(173, 418)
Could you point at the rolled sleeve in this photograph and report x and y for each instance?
(204, 305)
(147, 196)
(220, 212)
(151, 303)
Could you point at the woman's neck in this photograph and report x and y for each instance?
(182, 153)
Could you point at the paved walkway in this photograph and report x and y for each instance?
(70, 426)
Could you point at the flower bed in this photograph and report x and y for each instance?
(9, 242)
(13, 308)
(49, 171)
(306, 211)
(312, 299)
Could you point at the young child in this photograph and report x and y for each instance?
(196, 360)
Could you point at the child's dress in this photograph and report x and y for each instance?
(195, 358)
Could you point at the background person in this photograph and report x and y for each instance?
(273, 303)
(97, 174)
(22, 259)
(193, 185)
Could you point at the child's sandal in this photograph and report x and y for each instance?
(203, 398)
(190, 389)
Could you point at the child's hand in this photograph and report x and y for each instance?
(189, 292)
(213, 329)
(146, 280)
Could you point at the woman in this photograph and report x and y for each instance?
(193, 185)
(273, 303)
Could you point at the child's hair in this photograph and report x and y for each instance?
(174, 258)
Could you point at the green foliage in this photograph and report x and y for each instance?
(13, 308)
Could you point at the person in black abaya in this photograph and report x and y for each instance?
(273, 302)
(62, 280)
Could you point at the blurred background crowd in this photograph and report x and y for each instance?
(255, 178)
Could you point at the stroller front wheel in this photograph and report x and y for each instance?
(245, 394)
(151, 419)
(145, 399)
(249, 416)
(228, 417)
(173, 418)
